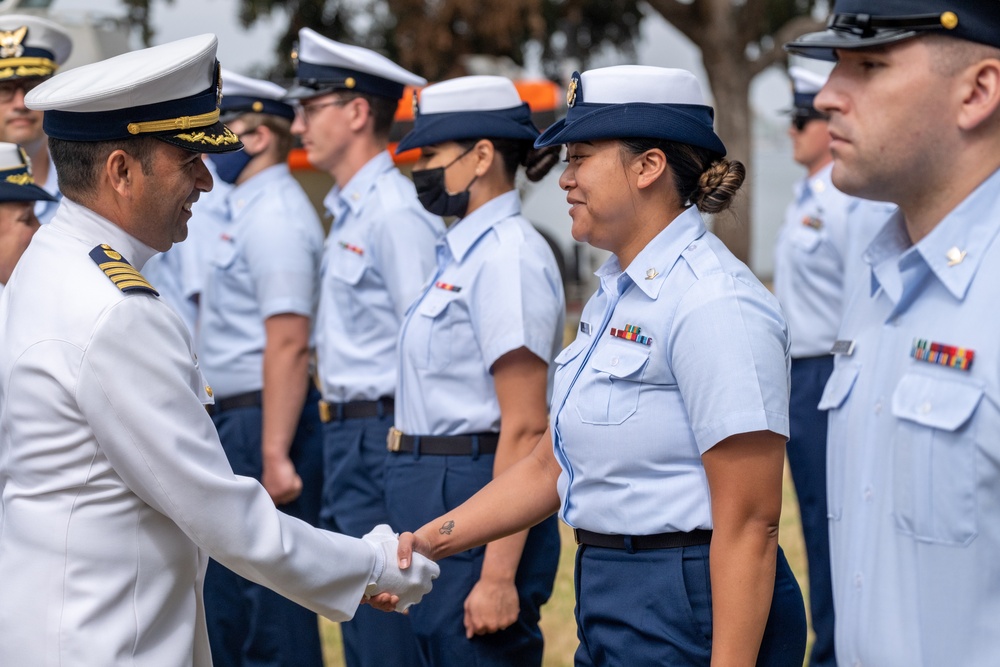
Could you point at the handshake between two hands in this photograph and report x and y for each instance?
(392, 588)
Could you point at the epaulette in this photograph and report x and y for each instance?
(122, 274)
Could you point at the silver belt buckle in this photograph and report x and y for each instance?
(394, 440)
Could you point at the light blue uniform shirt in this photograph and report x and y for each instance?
(264, 262)
(378, 254)
(914, 450)
(497, 288)
(46, 210)
(631, 419)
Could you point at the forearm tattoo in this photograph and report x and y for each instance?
(446, 527)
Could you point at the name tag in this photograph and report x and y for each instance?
(843, 347)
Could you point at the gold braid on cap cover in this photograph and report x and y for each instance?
(181, 123)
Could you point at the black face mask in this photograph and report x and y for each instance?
(435, 198)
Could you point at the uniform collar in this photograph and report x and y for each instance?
(952, 251)
(651, 266)
(354, 193)
(818, 186)
(244, 194)
(80, 222)
(464, 234)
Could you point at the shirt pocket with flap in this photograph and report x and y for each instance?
(346, 270)
(609, 388)
(838, 388)
(430, 336)
(934, 455)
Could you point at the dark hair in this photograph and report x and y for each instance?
(79, 163)
(701, 176)
(383, 109)
(537, 162)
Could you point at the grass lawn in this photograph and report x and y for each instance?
(558, 623)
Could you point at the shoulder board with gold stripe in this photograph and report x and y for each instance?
(121, 273)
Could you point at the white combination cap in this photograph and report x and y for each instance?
(469, 107)
(16, 181)
(323, 65)
(171, 92)
(243, 94)
(31, 46)
(805, 86)
(635, 101)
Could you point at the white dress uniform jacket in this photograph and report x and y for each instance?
(114, 489)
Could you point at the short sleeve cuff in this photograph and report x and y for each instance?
(709, 435)
(501, 346)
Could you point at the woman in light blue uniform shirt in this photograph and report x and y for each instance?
(475, 351)
(669, 410)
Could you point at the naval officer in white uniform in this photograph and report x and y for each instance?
(114, 489)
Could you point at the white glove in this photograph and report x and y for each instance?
(410, 584)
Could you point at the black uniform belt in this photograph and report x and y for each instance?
(642, 542)
(472, 444)
(251, 399)
(329, 412)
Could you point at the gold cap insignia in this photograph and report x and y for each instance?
(574, 83)
(349, 82)
(10, 42)
(949, 20)
(20, 179)
(257, 106)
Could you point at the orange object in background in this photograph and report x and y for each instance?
(543, 96)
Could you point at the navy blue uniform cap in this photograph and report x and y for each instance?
(862, 24)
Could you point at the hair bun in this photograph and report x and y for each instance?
(718, 185)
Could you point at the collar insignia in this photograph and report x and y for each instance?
(955, 256)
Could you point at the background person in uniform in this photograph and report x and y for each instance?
(31, 50)
(669, 410)
(114, 489)
(18, 194)
(913, 472)
(475, 350)
(810, 259)
(254, 327)
(378, 253)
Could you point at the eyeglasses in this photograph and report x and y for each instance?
(8, 89)
(308, 111)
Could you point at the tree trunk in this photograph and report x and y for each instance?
(729, 74)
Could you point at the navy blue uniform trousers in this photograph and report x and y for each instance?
(655, 608)
(354, 454)
(421, 488)
(250, 625)
(807, 460)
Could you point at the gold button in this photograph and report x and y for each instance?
(208, 390)
(949, 20)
